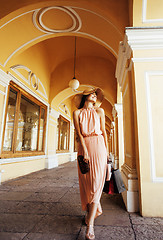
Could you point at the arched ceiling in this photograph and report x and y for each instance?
(34, 23)
(116, 11)
(40, 34)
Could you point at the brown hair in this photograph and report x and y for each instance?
(84, 97)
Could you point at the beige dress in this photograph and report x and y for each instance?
(91, 184)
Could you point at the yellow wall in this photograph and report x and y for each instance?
(36, 59)
(17, 169)
(63, 158)
(147, 13)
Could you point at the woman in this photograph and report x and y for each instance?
(89, 122)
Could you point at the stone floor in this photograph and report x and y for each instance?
(46, 206)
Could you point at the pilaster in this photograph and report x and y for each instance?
(119, 109)
(116, 144)
(147, 50)
(73, 155)
(125, 79)
(112, 139)
(51, 157)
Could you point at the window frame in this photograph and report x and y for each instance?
(58, 150)
(13, 153)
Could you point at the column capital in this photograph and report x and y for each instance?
(118, 107)
(114, 112)
(112, 125)
(123, 61)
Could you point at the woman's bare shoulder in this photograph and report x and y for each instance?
(100, 111)
(76, 112)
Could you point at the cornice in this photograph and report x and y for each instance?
(145, 38)
(136, 39)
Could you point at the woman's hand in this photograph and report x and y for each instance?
(86, 157)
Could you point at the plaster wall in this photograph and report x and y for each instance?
(149, 98)
(15, 169)
(147, 13)
(128, 123)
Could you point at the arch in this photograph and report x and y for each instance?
(69, 93)
(85, 17)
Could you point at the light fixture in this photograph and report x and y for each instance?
(74, 83)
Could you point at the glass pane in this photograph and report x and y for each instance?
(10, 118)
(64, 131)
(42, 120)
(27, 125)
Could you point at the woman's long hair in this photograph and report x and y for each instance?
(84, 97)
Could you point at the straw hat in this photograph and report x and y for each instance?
(98, 91)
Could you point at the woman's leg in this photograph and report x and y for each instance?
(87, 213)
(90, 224)
(92, 213)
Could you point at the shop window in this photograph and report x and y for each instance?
(25, 124)
(63, 134)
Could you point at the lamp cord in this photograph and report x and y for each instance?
(74, 58)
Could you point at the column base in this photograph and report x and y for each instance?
(73, 156)
(131, 195)
(51, 161)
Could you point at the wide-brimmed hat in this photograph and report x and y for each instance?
(98, 91)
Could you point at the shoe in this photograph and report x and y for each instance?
(90, 233)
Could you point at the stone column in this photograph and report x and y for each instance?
(110, 141)
(116, 144)
(125, 78)
(147, 95)
(113, 145)
(4, 82)
(73, 155)
(51, 159)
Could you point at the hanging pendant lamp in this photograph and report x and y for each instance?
(74, 83)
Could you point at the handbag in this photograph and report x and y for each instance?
(84, 166)
(118, 180)
(108, 171)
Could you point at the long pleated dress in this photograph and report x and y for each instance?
(91, 184)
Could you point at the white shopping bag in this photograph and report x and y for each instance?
(108, 171)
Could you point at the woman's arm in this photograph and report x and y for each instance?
(101, 113)
(77, 127)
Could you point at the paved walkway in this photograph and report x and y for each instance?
(46, 206)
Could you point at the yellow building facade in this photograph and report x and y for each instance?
(119, 48)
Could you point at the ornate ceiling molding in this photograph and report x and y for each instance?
(30, 78)
(39, 19)
(41, 15)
